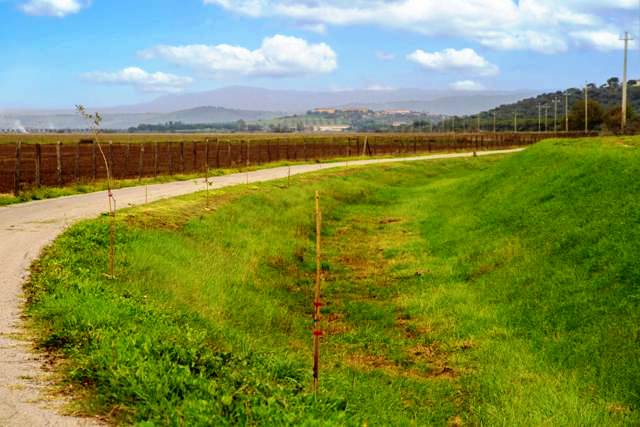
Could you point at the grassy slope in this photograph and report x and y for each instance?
(481, 291)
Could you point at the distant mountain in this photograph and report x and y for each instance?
(296, 102)
(70, 120)
(234, 103)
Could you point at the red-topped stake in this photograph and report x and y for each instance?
(317, 333)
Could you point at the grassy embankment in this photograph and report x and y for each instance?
(493, 291)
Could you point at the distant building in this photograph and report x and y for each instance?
(357, 110)
(331, 128)
(325, 110)
(397, 112)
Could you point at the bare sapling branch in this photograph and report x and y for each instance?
(95, 120)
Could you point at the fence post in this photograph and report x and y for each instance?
(170, 151)
(16, 189)
(94, 159)
(38, 160)
(194, 152)
(182, 156)
(76, 164)
(59, 162)
(206, 154)
(127, 155)
(217, 153)
(268, 151)
(110, 159)
(304, 148)
(155, 159)
(141, 163)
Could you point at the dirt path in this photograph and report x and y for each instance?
(27, 228)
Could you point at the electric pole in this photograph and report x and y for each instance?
(539, 117)
(555, 114)
(626, 39)
(566, 112)
(586, 108)
(546, 118)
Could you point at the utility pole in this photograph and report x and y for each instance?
(539, 117)
(555, 114)
(546, 118)
(586, 108)
(626, 39)
(566, 112)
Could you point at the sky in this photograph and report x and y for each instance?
(58, 53)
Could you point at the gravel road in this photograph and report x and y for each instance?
(25, 229)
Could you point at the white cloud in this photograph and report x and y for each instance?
(538, 25)
(600, 40)
(454, 60)
(467, 85)
(278, 56)
(142, 80)
(57, 8)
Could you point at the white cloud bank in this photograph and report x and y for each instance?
(601, 40)
(538, 25)
(278, 56)
(57, 8)
(467, 86)
(454, 60)
(141, 80)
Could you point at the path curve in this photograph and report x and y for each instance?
(25, 229)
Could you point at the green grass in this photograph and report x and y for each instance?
(480, 291)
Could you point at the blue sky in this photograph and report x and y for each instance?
(56, 53)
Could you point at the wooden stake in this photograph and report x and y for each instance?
(206, 183)
(18, 170)
(59, 163)
(141, 163)
(76, 164)
(317, 304)
(364, 146)
(38, 160)
(112, 237)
